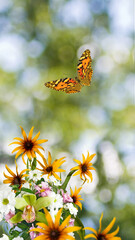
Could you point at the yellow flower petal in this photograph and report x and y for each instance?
(36, 137)
(91, 229)
(23, 133)
(16, 149)
(57, 219)
(19, 139)
(30, 133)
(107, 229)
(9, 170)
(48, 218)
(64, 223)
(113, 233)
(90, 236)
(77, 161)
(100, 223)
(41, 237)
(41, 141)
(19, 153)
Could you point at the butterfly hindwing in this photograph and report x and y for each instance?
(84, 68)
(68, 85)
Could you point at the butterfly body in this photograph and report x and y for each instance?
(70, 85)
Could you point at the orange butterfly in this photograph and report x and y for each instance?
(70, 85)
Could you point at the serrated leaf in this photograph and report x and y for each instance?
(30, 199)
(42, 202)
(17, 218)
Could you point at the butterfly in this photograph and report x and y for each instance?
(74, 85)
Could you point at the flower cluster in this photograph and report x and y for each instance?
(36, 203)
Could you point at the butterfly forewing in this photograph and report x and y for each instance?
(68, 85)
(84, 68)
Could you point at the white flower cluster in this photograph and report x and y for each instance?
(58, 198)
(7, 200)
(34, 175)
(5, 237)
(73, 210)
(41, 187)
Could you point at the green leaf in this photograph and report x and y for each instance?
(41, 217)
(34, 164)
(15, 187)
(26, 190)
(20, 203)
(81, 232)
(30, 199)
(27, 163)
(22, 226)
(14, 234)
(17, 193)
(25, 235)
(42, 202)
(17, 218)
(64, 185)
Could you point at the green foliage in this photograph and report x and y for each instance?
(64, 185)
(99, 118)
(17, 218)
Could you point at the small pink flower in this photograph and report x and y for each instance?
(66, 197)
(8, 216)
(71, 222)
(29, 214)
(33, 234)
(44, 191)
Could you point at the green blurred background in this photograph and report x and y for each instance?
(42, 40)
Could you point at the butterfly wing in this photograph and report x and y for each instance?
(84, 68)
(68, 85)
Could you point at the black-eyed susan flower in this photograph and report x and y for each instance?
(76, 197)
(104, 235)
(15, 179)
(53, 230)
(51, 168)
(84, 167)
(28, 145)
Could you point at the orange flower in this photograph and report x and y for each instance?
(84, 168)
(53, 230)
(51, 168)
(28, 145)
(15, 178)
(104, 235)
(76, 198)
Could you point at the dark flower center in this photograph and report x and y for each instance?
(101, 237)
(74, 199)
(84, 168)
(54, 234)
(49, 169)
(28, 145)
(17, 180)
